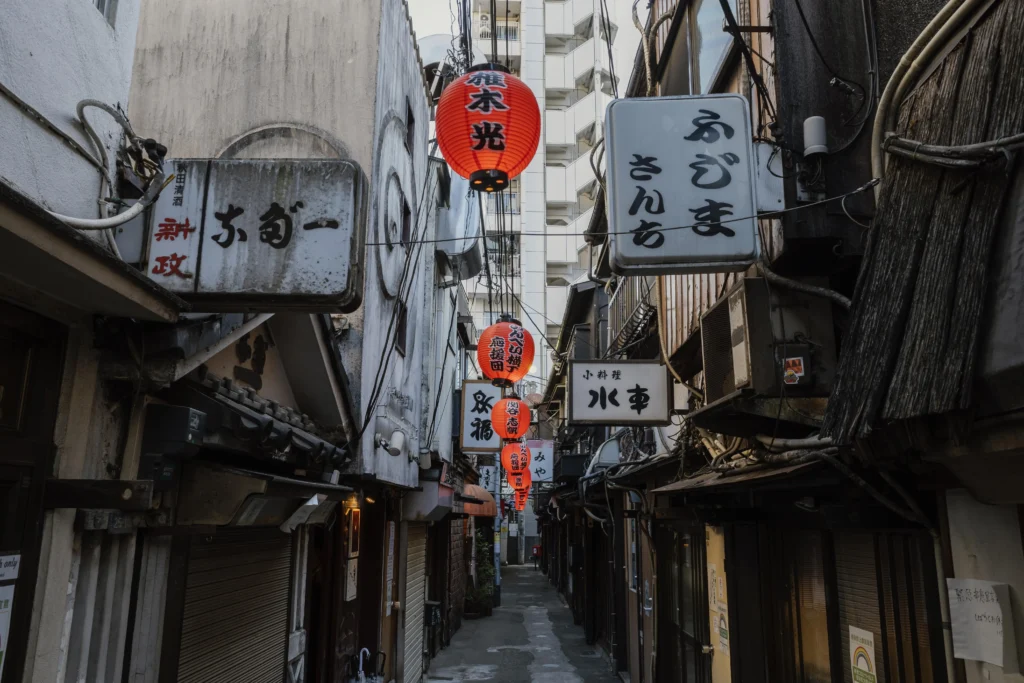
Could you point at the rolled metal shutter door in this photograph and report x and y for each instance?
(415, 594)
(857, 579)
(235, 624)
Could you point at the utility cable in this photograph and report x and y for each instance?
(774, 214)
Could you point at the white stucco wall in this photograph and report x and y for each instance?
(53, 54)
(398, 173)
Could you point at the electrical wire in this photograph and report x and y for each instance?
(866, 186)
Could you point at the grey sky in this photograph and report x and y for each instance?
(435, 16)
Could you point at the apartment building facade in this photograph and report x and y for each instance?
(563, 50)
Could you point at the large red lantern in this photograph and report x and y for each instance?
(488, 126)
(510, 418)
(520, 481)
(515, 457)
(505, 352)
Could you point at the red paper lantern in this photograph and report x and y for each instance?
(515, 457)
(510, 418)
(520, 481)
(505, 352)
(521, 498)
(488, 126)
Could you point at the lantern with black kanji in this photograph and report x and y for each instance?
(488, 126)
(510, 418)
(505, 352)
(521, 498)
(515, 457)
(520, 480)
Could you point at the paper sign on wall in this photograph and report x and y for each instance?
(983, 623)
(6, 601)
(862, 655)
(351, 579)
(9, 565)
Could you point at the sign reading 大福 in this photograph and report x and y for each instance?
(622, 392)
(261, 234)
(681, 185)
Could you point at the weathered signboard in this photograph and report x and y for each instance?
(477, 434)
(260, 235)
(489, 478)
(681, 185)
(619, 392)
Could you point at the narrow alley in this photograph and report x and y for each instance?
(531, 637)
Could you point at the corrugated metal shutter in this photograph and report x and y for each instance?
(415, 594)
(235, 625)
(857, 579)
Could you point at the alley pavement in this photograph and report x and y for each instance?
(530, 638)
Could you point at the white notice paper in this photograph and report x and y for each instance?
(6, 600)
(982, 622)
(9, 565)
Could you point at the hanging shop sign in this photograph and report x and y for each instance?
(515, 457)
(681, 185)
(489, 478)
(619, 392)
(476, 434)
(505, 352)
(511, 418)
(543, 459)
(260, 235)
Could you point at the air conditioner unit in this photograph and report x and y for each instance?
(485, 19)
(763, 340)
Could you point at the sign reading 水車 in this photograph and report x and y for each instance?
(477, 434)
(542, 459)
(260, 234)
(622, 392)
(681, 192)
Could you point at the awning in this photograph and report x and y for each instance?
(488, 508)
(720, 480)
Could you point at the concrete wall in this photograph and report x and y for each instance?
(53, 54)
(258, 78)
(398, 174)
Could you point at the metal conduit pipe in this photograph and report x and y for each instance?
(888, 100)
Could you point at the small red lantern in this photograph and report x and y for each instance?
(515, 457)
(488, 126)
(521, 498)
(520, 481)
(505, 352)
(510, 418)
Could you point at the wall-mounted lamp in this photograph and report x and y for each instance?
(395, 445)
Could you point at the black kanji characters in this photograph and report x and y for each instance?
(488, 135)
(604, 397)
(647, 201)
(704, 165)
(644, 168)
(639, 398)
(226, 238)
(647, 236)
(709, 219)
(485, 101)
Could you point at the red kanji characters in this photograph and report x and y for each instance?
(171, 229)
(170, 265)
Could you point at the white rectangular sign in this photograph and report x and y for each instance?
(681, 185)
(542, 459)
(6, 602)
(477, 434)
(489, 477)
(982, 622)
(268, 234)
(622, 392)
(862, 656)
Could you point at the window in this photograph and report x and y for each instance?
(509, 31)
(709, 43)
(402, 326)
(410, 128)
(406, 224)
(108, 8)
